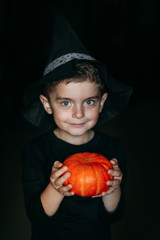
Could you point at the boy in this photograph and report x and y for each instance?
(73, 102)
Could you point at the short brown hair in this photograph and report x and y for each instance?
(84, 70)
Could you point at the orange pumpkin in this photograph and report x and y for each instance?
(89, 173)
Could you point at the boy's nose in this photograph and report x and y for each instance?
(78, 112)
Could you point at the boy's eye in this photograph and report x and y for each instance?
(90, 102)
(65, 103)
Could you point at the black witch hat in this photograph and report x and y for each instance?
(66, 50)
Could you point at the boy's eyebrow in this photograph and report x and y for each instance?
(69, 99)
(62, 98)
(94, 97)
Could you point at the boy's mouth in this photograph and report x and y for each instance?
(77, 124)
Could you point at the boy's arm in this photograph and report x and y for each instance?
(51, 200)
(54, 193)
(111, 200)
(112, 197)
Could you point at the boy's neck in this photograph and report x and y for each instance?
(75, 140)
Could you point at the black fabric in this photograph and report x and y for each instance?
(64, 39)
(77, 217)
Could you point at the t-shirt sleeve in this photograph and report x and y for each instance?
(33, 186)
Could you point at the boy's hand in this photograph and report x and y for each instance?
(57, 179)
(115, 183)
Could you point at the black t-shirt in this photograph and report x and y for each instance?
(77, 217)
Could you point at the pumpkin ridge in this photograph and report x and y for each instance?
(102, 174)
(97, 180)
(70, 169)
(72, 177)
(80, 181)
(82, 187)
(106, 176)
(106, 168)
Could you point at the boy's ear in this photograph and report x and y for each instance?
(103, 99)
(46, 104)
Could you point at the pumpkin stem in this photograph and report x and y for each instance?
(85, 159)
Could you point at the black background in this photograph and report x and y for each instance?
(124, 34)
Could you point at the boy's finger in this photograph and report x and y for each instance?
(114, 183)
(115, 173)
(62, 179)
(64, 189)
(68, 194)
(56, 174)
(95, 196)
(57, 164)
(114, 161)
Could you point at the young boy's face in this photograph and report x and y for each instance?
(75, 106)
